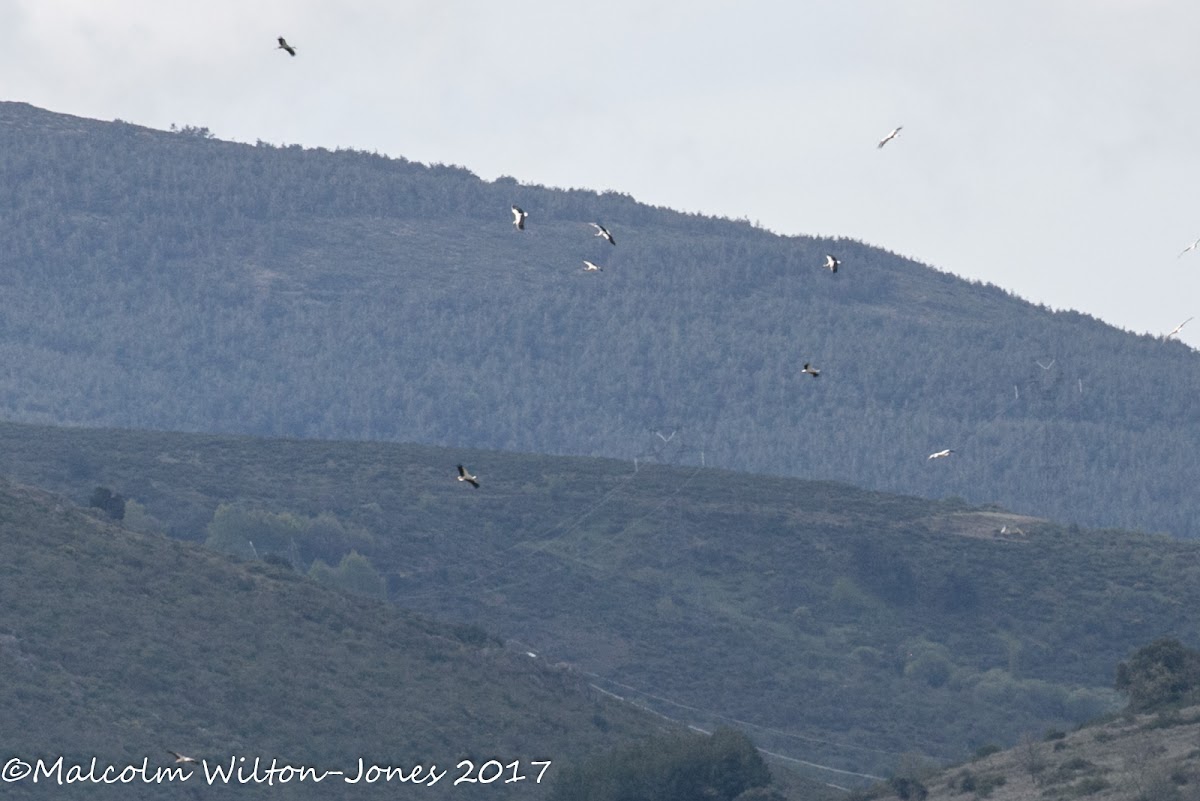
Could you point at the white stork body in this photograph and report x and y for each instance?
(283, 45)
(588, 267)
(808, 368)
(184, 759)
(1178, 328)
(941, 454)
(832, 263)
(601, 231)
(519, 217)
(464, 475)
(892, 134)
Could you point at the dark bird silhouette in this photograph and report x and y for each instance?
(283, 45)
(463, 475)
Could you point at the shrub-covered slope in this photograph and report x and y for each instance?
(120, 645)
(833, 624)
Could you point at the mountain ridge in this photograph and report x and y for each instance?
(171, 281)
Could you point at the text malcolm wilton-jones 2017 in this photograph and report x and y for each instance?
(241, 770)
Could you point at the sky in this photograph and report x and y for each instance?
(1049, 147)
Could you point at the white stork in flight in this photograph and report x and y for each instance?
(184, 759)
(1178, 328)
(892, 134)
(832, 263)
(1192, 246)
(808, 368)
(283, 45)
(519, 216)
(588, 267)
(603, 232)
(941, 454)
(463, 475)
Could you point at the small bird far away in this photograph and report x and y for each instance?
(941, 454)
(602, 231)
(519, 217)
(1178, 328)
(1189, 247)
(892, 134)
(283, 45)
(588, 267)
(181, 758)
(808, 368)
(463, 475)
(832, 263)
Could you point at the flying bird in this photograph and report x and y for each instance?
(891, 135)
(808, 368)
(588, 267)
(519, 217)
(1178, 328)
(941, 454)
(463, 475)
(602, 231)
(832, 263)
(283, 45)
(181, 758)
(1189, 247)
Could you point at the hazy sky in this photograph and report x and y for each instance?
(1051, 147)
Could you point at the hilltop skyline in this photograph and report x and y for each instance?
(1045, 148)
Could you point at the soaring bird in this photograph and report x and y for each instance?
(1189, 247)
(519, 217)
(891, 135)
(602, 231)
(181, 758)
(463, 475)
(1178, 328)
(588, 267)
(283, 45)
(808, 368)
(941, 454)
(832, 263)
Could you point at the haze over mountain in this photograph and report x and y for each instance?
(170, 281)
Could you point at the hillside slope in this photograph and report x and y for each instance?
(835, 625)
(1146, 757)
(119, 645)
(172, 281)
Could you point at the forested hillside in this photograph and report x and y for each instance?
(834, 625)
(119, 645)
(168, 280)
